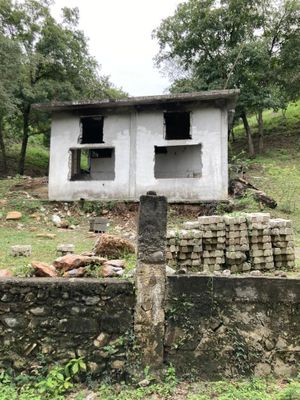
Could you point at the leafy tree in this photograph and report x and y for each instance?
(55, 61)
(9, 70)
(234, 43)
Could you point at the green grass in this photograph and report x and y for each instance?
(277, 170)
(170, 387)
(36, 163)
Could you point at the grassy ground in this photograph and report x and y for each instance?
(37, 160)
(277, 170)
(51, 386)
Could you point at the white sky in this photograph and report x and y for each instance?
(120, 39)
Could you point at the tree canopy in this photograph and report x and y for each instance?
(249, 44)
(54, 61)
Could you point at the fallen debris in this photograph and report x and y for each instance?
(112, 246)
(20, 250)
(109, 271)
(239, 186)
(5, 273)
(46, 235)
(56, 220)
(65, 249)
(13, 215)
(71, 261)
(75, 273)
(44, 270)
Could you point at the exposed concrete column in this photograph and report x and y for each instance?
(151, 279)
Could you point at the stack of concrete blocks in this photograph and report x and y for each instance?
(261, 253)
(213, 242)
(172, 248)
(184, 248)
(282, 243)
(237, 244)
(242, 243)
(190, 246)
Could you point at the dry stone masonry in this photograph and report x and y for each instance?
(238, 243)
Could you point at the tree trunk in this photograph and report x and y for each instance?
(249, 135)
(2, 148)
(260, 132)
(24, 139)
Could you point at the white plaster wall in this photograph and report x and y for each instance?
(134, 136)
(179, 161)
(208, 128)
(64, 135)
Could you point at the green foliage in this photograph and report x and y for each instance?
(53, 64)
(209, 44)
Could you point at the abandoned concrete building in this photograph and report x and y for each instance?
(120, 149)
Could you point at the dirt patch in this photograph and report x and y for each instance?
(36, 187)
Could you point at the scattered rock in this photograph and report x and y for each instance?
(75, 273)
(20, 250)
(170, 271)
(144, 383)
(118, 364)
(281, 274)
(269, 344)
(262, 369)
(101, 340)
(88, 253)
(255, 272)
(71, 261)
(64, 249)
(91, 396)
(109, 271)
(182, 270)
(226, 272)
(5, 273)
(13, 215)
(64, 224)
(56, 220)
(217, 273)
(112, 246)
(115, 263)
(43, 269)
(46, 235)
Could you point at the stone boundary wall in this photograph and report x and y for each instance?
(53, 320)
(239, 244)
(220, 327)
(214, 326)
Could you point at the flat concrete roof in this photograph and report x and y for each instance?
(229, 95)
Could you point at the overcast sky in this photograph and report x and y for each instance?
(120, 39)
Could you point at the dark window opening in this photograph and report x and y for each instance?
(177, 125)
(173, 162)
(92, 164)
(91, 130)
(102, 153)
(160, 149)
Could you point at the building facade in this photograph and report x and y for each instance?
(175, 145)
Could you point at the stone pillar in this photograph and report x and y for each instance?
(151, 280)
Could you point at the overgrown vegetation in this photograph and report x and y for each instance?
(277, 170)
(64, 383)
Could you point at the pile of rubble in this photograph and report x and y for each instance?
(104, 261)
(238, 244)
